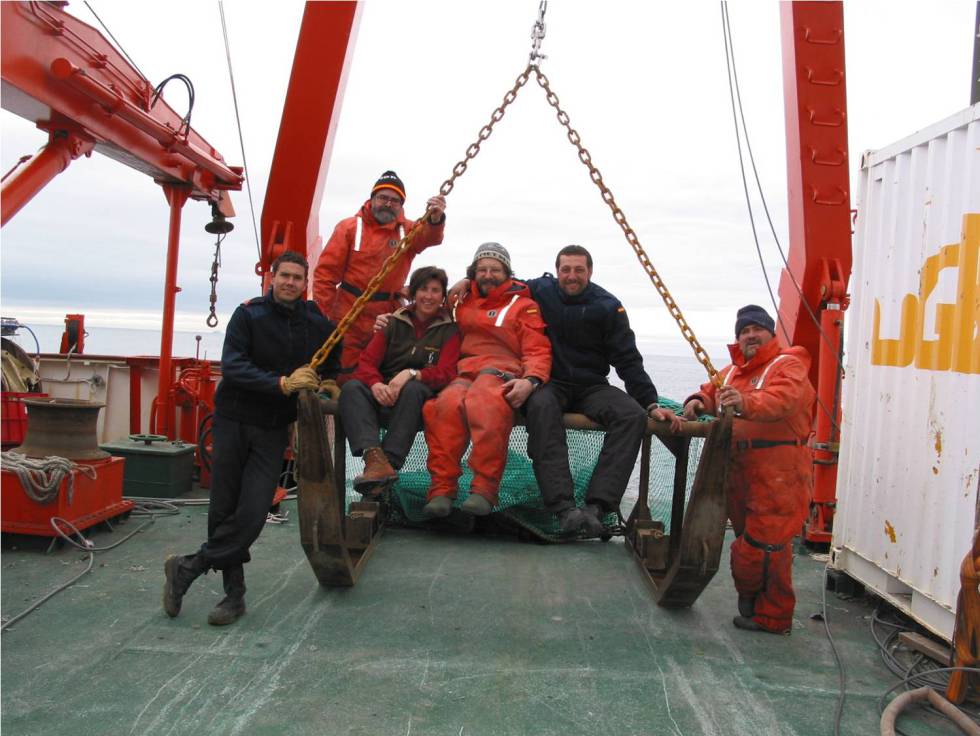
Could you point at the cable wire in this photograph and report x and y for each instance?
(839, 713)
(37, 344)
(919, 669)
(913, 678)
(20, 162)
(185, 122)
(238, 120)
(119, 45)
(86, 546)
(729, 63)
(762, 196)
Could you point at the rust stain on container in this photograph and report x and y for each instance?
(890, 531)
(939, 442)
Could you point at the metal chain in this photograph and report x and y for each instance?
(447, 186)
(485, 131)
(607, 196)
(212, 320)
(537, 36)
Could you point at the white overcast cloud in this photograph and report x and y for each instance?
(644, 84)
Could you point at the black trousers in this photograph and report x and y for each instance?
(247, 462)
(363, 416)
(624, 422)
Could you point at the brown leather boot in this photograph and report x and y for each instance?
(232, 606)
(377, 473)
(179, 572)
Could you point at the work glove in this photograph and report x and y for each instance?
(302, 377)
(329, 386)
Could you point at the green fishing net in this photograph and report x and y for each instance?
(520, 501)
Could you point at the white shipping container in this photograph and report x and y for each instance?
(909, 471)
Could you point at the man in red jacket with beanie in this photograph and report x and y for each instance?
(770, 478)
(504, 357)
(355, 252)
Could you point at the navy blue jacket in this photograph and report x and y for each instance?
(266, 340)
(589, 332)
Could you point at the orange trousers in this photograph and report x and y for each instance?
(471, 408)
(768, 499)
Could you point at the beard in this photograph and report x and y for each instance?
(383, 215)
(485, 286)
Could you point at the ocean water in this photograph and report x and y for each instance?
(125, 341)
(670, 365)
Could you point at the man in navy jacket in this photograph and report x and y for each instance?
(264, 362)
(589, 332)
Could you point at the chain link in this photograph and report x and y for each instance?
(607, 196)
(212, 320)
(405, 243)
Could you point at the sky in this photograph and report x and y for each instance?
(644, 83)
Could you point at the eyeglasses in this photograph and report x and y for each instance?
(390, 201)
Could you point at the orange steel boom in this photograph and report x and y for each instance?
(65, 77)
(309, 118)
(819, 224)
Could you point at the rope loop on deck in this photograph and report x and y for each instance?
(41, 477)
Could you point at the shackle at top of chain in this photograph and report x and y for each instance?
(537, 35)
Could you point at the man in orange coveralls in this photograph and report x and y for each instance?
(770, 477)
(504, 357)
(355, 252)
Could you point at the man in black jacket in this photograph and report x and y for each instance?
(264, 362)
(589, 331)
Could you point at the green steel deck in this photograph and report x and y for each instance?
(442, 635)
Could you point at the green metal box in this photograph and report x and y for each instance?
(155, 467)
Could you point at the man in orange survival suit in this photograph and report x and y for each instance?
(355, 252)
(504, 357)
(769, 479)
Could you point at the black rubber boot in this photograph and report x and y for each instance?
(438, 507)
(579, 521)
(477, 505)
(746, 606)
(571, 520)
(179, 572)
(232, 606)
(748, 624)
(593, 520)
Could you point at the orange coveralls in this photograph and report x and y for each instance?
(348, 262)
(502, 333)
(770, 478)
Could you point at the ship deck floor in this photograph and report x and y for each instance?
(442, 635)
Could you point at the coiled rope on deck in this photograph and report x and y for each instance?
(41, 478)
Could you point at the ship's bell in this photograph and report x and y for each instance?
(218, 225)
(63, 427)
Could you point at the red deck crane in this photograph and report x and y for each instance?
(813, 288)
(67, 79)
(290, 215)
